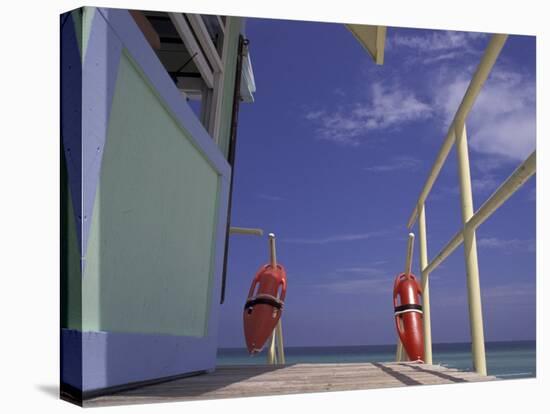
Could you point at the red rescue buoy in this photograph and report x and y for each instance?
(264, 306)
(408, 315)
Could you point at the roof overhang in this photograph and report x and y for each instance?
(248, 84)
(372, 38)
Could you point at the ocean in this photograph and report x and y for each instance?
(506, 360)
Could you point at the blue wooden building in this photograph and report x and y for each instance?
(149, 110)
(148, 117)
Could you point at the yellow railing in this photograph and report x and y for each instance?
(471, 221)
(276, 351)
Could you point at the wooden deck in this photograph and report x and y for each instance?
(258, 380)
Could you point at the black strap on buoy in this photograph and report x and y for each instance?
(264, 300)
(408, 308)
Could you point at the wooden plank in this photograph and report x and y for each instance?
(146, 28)
(261, 380)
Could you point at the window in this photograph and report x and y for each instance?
(191, 47)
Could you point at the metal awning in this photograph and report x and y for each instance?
(248, 85)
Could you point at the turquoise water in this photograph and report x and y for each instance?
(504, 359)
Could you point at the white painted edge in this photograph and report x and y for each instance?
(193, 47)
(205, 41)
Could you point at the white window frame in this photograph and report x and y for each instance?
(210, 64)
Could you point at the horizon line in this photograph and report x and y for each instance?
(357, 346)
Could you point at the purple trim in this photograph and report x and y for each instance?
(113, 29)
(71, 358)
(110, 359)
(71, 114)
(99, 74)
(217, 265)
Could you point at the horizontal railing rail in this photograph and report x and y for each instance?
(470, 220)
(525, 171)
(480, 76)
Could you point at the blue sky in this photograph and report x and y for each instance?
(332, 156)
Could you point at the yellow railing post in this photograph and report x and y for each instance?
(423, 250)
(276, 351)
(409, 257)
(399, 354)
(457, 135)
(246, 230)
(474, 88)
(271, 355)
(399, 351)
(470, 251)
(280, 344)
(272, 251)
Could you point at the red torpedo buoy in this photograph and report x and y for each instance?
(408, 315)
(264, 306)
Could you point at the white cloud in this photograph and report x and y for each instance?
(362, 286)
(359, 279)
(506, 244)
(314, 115)
(269, 197)
(392, 107)
(339, 92)
(488, 165)
(512, 136)
(480, 185)
(363, 271)
(436, 46)
(435, 41)
(439, 58)
(385, 109)
(336, 238)
(502, 120)
(501, 125)
(339, 127)
(397, 163)
(512, 291)
(484, 184)
(515, 293)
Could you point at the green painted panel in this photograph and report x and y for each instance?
(87, 17)
(149, 258)
(233, 32)
(82, 21)
(71, 293)
(77, 22)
